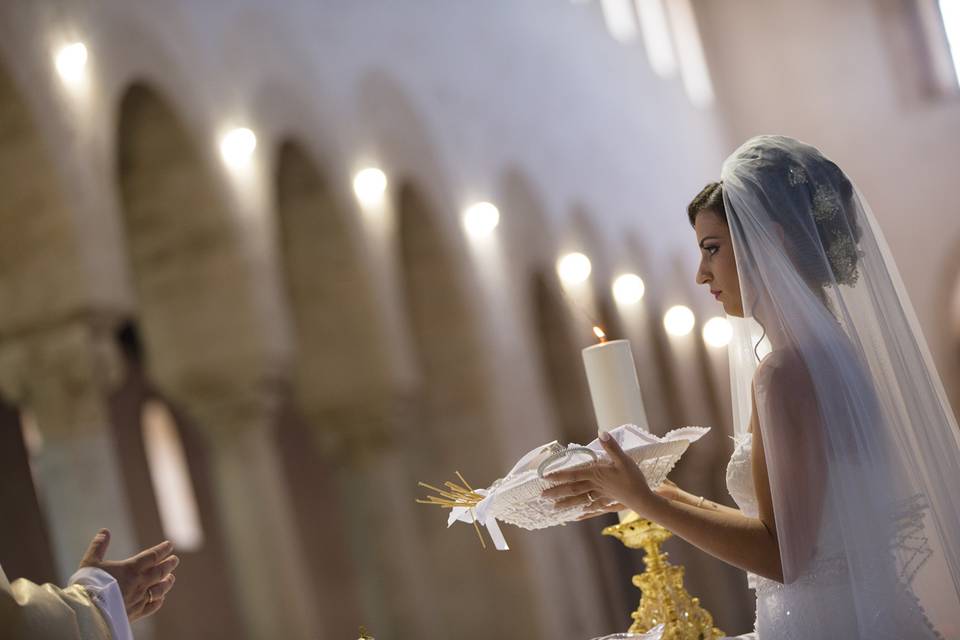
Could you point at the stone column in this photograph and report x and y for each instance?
(363, 443)
(61, 375)
(267, 565)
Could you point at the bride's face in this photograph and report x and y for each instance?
(718, 266)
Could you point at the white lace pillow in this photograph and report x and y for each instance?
(517, 497)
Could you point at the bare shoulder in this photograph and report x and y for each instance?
(783, 376)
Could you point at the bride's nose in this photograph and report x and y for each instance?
(703, 275)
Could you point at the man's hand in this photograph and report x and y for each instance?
(145, 579)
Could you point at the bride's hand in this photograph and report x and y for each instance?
(602, 486)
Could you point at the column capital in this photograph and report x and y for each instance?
(63, 371)
(226, 403)
(357, 427)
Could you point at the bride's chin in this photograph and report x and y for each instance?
(736, 313)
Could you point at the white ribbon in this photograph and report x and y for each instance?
(479, 515)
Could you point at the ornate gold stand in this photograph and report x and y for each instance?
(662, 596)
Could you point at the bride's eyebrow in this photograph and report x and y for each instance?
(702, 240)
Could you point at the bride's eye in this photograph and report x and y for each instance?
(711, 250)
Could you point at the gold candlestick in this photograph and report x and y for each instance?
(662, 596)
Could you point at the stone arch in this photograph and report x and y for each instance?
(556, 347)
(661, 393)
(207, 349)
(345, 387)
(447, 341)
(343, 357)
(190, 275)
(455, 425)
(39, 223)
(206, 607)
(45, 300)
(548, 312)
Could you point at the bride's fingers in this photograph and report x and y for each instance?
(610, 507)
(590, 500)
(560, 491)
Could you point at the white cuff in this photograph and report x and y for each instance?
(105, 592)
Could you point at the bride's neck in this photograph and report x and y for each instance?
(773, 329)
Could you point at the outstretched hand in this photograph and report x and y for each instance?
(602, 487)
(144, 579)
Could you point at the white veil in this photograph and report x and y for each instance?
(880, 446)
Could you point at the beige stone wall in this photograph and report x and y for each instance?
(321, 356)
(853, 78)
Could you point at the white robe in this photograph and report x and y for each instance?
(91, 608)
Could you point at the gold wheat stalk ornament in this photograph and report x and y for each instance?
(455, 496)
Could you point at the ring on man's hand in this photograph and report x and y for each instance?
(149, 597)
(590, 497)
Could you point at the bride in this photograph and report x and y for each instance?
(847, 460)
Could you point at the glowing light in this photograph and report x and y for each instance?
(167, 464)
(679, 320)
(620, 18)
(950, 12)
(656, 37)
(481, 219)
(717, 332)
(237, 146)
(693, 62)
(574, 268)
(71, 61)
(369, 185)
(600, 333)
(628, 289)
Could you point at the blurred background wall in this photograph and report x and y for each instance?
(246, 301)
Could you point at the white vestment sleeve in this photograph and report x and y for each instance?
(105, 592)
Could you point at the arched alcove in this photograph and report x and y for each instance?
(41, 282)
(602, 594)
(456, 420)
(24, 542)
(190, 276)
(208, 350)
(342, 357)
(445, 335)
(35, 224)
(206, 607)
(338, 426)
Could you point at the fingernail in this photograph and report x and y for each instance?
(604, 435)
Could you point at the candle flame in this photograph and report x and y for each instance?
(597, 331)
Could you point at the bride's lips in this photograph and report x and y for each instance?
(716, 294)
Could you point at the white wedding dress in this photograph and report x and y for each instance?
(774, 619)
(821, 593)
(865, 491)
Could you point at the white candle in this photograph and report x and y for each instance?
(614, 388)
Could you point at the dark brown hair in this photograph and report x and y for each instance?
(836, 236)
(710, 197)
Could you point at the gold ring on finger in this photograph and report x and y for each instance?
(149, 596)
